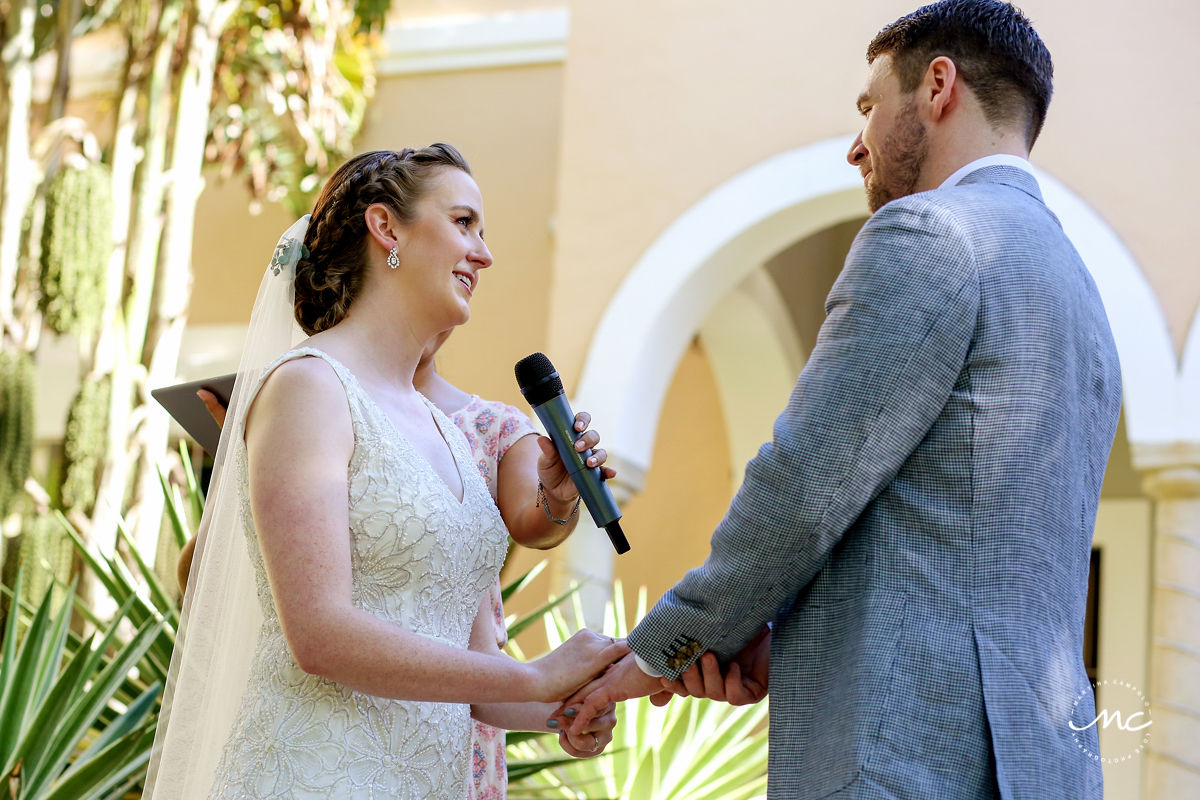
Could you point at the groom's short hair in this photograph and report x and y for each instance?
(994, 47)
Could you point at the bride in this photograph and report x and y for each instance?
(336, 636)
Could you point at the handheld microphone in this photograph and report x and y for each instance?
(542, 387)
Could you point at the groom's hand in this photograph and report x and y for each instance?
(624, 680)
(743, 683)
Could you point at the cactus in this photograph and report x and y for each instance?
(16, 425)
(76, 247)
(84, 445)
(46, 557)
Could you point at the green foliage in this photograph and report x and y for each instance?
(76, 247)
(290, 94)
(183, 513)
(16, 424)
(85, 444)
(144, 596)
(371, 14)
(689, 749)
(64, 730)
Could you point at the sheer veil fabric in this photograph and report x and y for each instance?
(214, 646)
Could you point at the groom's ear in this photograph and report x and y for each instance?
(384, 226)
(940, 89)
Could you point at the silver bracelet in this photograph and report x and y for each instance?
(541, 501)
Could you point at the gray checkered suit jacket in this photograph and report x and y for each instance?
(919, 528)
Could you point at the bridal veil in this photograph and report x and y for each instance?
(221, 615)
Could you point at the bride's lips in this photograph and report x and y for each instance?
(466, 279)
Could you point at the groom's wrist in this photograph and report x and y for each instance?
(645, 667)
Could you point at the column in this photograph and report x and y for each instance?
(1173, 768)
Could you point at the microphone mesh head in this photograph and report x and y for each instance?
(537, 378)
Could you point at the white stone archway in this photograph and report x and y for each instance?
(728, 234)
(1189, 384)
(711, 248)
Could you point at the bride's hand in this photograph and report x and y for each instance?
(596, 736)
(578, 660)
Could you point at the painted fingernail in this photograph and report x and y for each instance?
(551, 723)
(570, 712)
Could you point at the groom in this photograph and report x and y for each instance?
(918, 530)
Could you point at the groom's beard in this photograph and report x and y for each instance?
(897, 167)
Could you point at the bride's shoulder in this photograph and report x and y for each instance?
(302, 387)
(300, 369)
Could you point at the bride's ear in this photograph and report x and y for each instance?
(383, 226)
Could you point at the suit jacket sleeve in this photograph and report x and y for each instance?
(899, 323)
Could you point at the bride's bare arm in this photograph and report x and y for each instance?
(300, 438)
(533, 715)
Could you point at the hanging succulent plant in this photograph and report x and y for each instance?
(76, 247)
(16, 424)
(84, 445)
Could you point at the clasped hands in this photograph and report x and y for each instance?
(593, 708)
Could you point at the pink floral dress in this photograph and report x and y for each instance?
(491, 427)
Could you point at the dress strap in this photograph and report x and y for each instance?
(349, 383)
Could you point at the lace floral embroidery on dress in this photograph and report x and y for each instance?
(421, 560)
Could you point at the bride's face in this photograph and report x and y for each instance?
(442, 250)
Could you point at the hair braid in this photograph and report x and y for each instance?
(331, 276)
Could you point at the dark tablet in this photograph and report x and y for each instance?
(188, 410)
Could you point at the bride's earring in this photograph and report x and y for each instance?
(393, 259)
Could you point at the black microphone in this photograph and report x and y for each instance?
(542, 387)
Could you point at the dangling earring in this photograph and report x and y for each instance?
(393, 259)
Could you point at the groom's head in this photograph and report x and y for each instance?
(948, 70)
(998, 54)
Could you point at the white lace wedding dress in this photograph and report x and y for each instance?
(422, 560)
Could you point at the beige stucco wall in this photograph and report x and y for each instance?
(410, 10)
(658, 113)
(506, 122)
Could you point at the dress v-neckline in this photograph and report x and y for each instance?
(433, 413)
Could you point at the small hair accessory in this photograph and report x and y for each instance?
(393, 259)
(286, 254)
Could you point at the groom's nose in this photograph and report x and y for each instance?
(858, 151)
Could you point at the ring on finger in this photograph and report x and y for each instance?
(596, 739)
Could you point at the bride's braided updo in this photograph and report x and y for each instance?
(331, 275)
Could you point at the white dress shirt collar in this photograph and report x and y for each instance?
(987, 161)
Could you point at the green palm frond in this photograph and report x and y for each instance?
(64, 733)
(689, 749)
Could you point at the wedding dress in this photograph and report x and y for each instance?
(422, 560)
